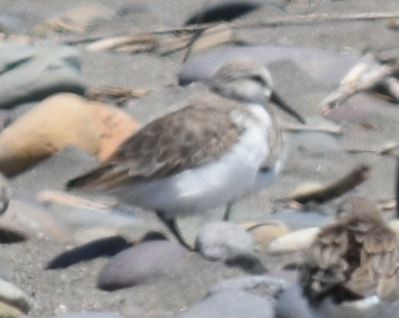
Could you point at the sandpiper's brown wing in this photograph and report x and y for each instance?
(356, 257)
(184, 139)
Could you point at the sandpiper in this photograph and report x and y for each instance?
(220, 148)
(352, 267)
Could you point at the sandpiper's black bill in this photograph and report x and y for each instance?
(283, 105)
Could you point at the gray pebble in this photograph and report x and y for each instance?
(223, 241)
(34, 71)
(140, 263)
(291, 304)
(231, 304)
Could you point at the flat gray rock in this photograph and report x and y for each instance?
(54, 172)
(231, 304)
(325, 66)
(291, 304)
(34, 71)
(140, 263)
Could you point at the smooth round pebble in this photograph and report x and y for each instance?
(140, 263)
(223, 241)
(26, 219)
(13, 296)
(296, 241)
(231, 304)
(264, 233)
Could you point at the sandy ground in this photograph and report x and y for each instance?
(74, 288)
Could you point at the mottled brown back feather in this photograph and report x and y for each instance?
(184, 139)
(358, 254)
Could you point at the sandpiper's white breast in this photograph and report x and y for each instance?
(215, 184)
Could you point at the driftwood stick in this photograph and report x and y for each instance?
(99, 92)
(335, 130)
(291, 20)
(387, 149)
(335, 189)
(272, 22)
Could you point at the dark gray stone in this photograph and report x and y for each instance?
(140, 263)
(226, 11)
(231, 304)
(34, 71)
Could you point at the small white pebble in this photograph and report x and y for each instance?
(60, 310)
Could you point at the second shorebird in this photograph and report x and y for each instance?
(352, 267)
(217, 150)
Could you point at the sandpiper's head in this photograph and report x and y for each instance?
(249, 82)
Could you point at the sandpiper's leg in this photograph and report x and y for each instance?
(172, 226)
(227, 212)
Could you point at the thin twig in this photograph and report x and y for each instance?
(271, 22)
(291, 20)
(336, 130)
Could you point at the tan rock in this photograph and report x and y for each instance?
(25, 220)
(116, 126)
(305, 189)
(7, 311)
(293, 242)
(58, 122)
(264, 233)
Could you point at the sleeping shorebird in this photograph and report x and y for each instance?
(352, 267)
(220, 148)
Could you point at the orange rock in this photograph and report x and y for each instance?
(116, 126)
(60, 121)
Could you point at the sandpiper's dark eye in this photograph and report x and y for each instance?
(259, 79)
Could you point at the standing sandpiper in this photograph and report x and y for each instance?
(352, 267)
(220, 148)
